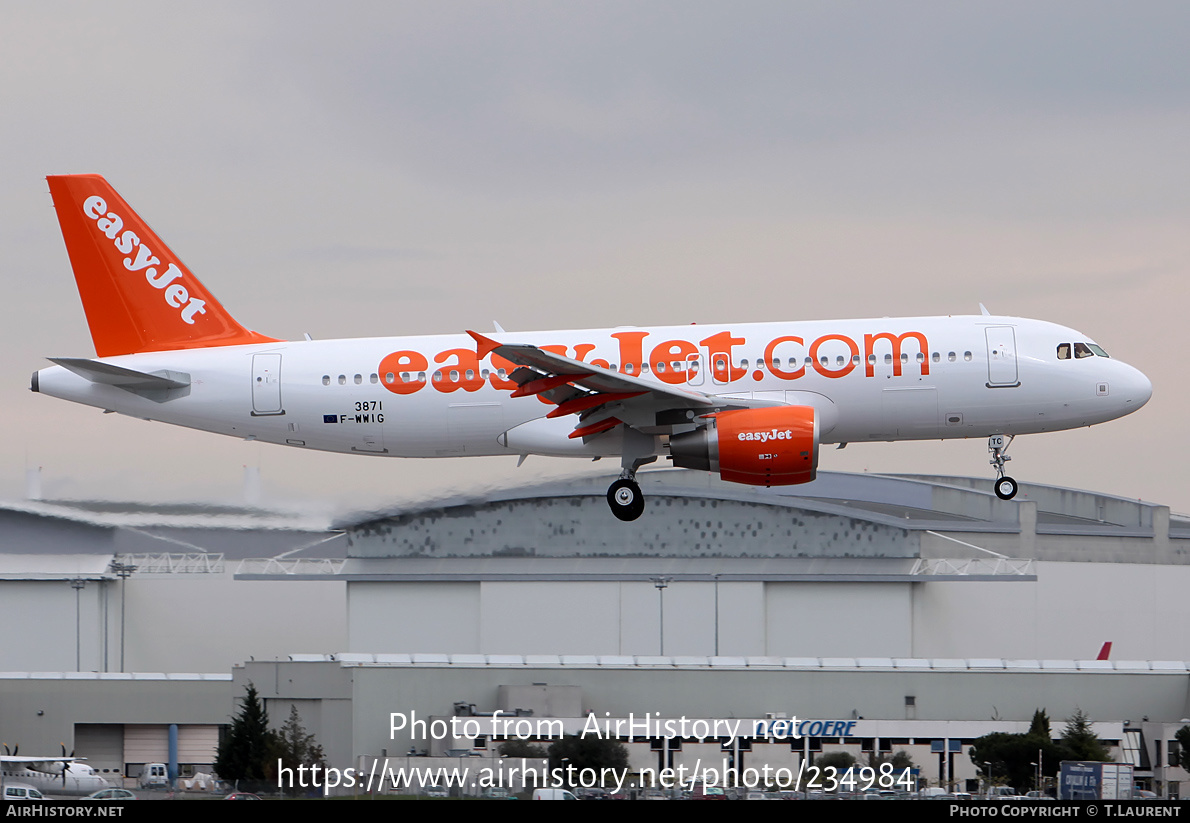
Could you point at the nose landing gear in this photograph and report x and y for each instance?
(1005, 486)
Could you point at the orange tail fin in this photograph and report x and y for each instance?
(137, 294)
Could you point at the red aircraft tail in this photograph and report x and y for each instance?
(137, 294)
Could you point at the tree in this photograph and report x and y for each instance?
(294, 746)
(521, 748)
(245, 751)
(588, 752)
(1013, 757)
(1183, 738)
(841, 760)
(1006, 758)
(1040, 727)
(1080, 741)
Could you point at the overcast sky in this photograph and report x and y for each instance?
(387, 168)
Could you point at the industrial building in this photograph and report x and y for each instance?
(886, 613)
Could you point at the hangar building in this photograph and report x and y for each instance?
(897, 604)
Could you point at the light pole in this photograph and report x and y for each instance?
(77, 584)
(716, 577)
(123, 571)
(661, 583)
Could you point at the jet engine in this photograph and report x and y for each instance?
(775, 446)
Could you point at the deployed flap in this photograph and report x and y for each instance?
(602, 398)
(591, 377)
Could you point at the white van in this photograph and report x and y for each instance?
(552, 794)
(153, 775)
(21, 791)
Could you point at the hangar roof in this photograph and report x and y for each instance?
(692, 514)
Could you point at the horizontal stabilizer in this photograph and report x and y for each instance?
(159, 385)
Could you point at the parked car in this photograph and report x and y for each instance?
(118, 795)
(21, 791)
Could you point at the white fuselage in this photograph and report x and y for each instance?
(46, 777)
(429, 396)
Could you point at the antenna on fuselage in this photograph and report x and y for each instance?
(984, 310)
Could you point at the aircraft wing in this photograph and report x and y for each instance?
(603, 398)
(46, 765)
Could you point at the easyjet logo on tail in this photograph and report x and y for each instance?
(126, 242)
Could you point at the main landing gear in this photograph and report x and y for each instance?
(624, 496)
(626, 499)
(1005, 486)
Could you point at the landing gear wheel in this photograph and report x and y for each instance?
(1006, 488)
(625, 498)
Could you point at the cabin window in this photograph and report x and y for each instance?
(937, 357)
(391, 378)
(951, 357)
(967, 356)
(342, 380)
(438, 376)
(359, 378)
(326, 380)
(374, 378)
(421, 377)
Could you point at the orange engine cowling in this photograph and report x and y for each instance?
(775, 446)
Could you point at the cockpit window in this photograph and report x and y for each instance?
(1081, 350)
(1063, 351)
(1098, 351)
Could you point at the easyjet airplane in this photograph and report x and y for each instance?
(752, 402)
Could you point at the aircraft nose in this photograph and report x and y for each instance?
(1137, 389)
